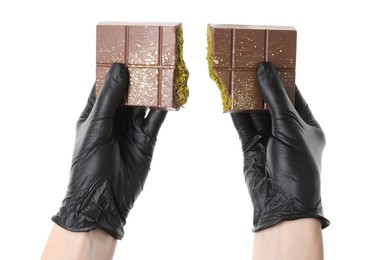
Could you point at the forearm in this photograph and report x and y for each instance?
(63, 244)
(295, 240)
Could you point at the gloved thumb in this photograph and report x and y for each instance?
(272, 89)
(113, 91)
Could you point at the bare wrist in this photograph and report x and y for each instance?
(94, 244)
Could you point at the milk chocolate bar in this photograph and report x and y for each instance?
(153, 54)
(235, 52)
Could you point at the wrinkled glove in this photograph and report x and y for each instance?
(112, 156)
(282, 152)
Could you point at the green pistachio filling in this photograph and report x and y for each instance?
(226, 100)
(182, 74)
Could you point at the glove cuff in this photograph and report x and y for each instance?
(91, 210)
(281, 208)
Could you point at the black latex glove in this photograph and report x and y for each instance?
(112, 156)
(282, 152)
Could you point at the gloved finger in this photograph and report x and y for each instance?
(272, 89)
(112, 93)
(261, 122)
(303, 110)
(138, 116)
(154, 121)
(91, 101)
(245, 129)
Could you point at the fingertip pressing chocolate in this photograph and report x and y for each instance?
(153, 53)
(235, 52)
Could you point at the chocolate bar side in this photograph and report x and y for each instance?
(153, 55)
(234, 53)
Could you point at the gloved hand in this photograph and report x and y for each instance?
(282, 152)
(112, 156)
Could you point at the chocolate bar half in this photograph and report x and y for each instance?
(153, 53)
(235, 52)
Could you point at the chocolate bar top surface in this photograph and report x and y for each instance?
(251, 27)
(139, 23)
(234, 53)
(152, 52)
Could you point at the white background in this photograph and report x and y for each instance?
(195, 203)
